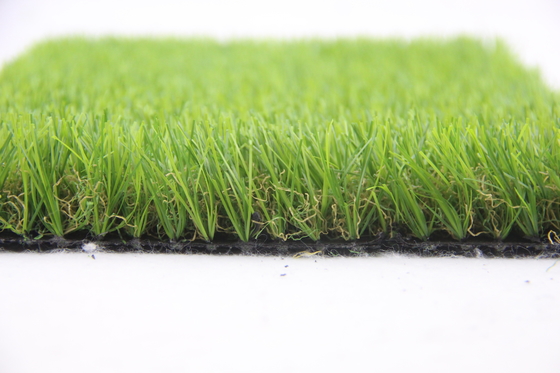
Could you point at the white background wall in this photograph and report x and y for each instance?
(531, 27)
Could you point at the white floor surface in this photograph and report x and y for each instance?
(176, 313)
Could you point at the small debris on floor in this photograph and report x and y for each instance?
(90, 247)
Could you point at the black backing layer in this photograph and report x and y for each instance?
(472, 248)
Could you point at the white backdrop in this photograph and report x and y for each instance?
(532, 27)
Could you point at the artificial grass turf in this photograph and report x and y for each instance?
(183, 139)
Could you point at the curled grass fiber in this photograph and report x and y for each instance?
(185, 139)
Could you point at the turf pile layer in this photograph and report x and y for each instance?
(190, 139)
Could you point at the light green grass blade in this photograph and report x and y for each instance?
(319, 139)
